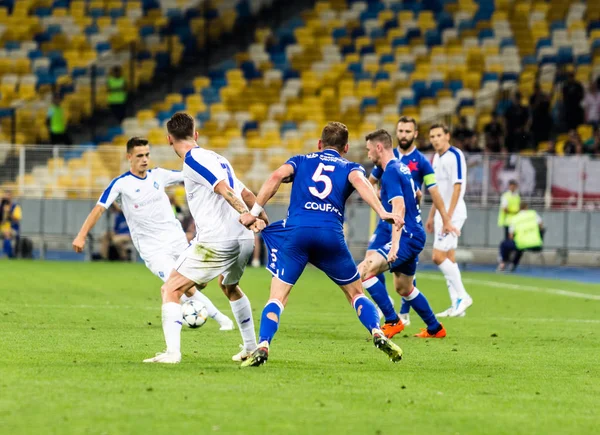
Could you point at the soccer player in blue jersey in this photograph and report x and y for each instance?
(313, 233)
(399, 195)
(421, 172)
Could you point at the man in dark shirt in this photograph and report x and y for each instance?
(517, 118)
(541, 121)
(572, 97)
(494, 135)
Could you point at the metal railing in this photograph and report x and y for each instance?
(546, 182)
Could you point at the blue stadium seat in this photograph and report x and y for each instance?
(248, 126)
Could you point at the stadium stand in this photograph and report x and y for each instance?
(362, 62)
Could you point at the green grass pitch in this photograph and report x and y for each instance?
(73, 335)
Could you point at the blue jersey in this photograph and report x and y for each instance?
(420, 168)
(320, 189)
(397, 181)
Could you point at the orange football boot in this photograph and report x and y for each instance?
(391, 329)
(425, 334)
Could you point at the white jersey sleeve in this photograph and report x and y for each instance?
(209, 172)
(169, 177)
(456, 167)
(111, 193)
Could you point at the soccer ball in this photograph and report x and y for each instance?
(194, 313)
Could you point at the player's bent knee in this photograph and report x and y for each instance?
(438, 257)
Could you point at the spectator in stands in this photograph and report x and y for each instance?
(591, 103)
(117, 93)
(464, 136)
(573, 145)
(541, 120)
(494, 135)
(572, 97)
(525, 234)
(57, 123)
(517, 118)
(592, 145)
(10, 223)
(116, 243)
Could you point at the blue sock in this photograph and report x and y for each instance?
(7, 248)
(269, 322)
(380, 295)
(367, 313)
(405, 308)
(420, 304)
(381, 278)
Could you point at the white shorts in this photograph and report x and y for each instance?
(162, 263)
(202, 262)
(446, 242)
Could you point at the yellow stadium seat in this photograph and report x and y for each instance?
(146, 114)
(201, 83)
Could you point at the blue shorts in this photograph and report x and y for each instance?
(381, 237)
(408, 254)
(289, 249)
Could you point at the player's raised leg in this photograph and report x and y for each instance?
(375, 263)
(171, 292)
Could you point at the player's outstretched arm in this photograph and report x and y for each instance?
(398, 208)
(250, 199)
(283, 174)
(223, 189)
(90, 221)
(366, 192)
(438, 203)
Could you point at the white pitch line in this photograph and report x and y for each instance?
(527, 288)
(86, 307)
(531, 319)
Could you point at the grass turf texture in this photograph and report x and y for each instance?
(73, 335)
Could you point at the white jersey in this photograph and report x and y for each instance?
(147, 209)
(450, 169)
(216, 220)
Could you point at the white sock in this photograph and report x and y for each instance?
(184, 298)
(452, 292)
(171, 323)
(242, 311)
(213, 311)
(452, 274)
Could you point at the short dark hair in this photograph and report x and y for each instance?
(136, 142)
(407, 119)
(440, 125)
(380, 135)
(181, 126)
(513, 182)
(335, 134)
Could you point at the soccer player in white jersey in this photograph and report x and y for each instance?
(451, 175)
(222, 245)
(155, 231)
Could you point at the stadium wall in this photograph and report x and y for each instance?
(569, 240)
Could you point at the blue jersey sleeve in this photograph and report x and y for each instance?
(392, 183)
(427, 172)
(377, 172)
(358, 167)
(295, 163)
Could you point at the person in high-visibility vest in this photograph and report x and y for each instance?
(117, 93)
(57, 123)
(525, 234)
(510, 204)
